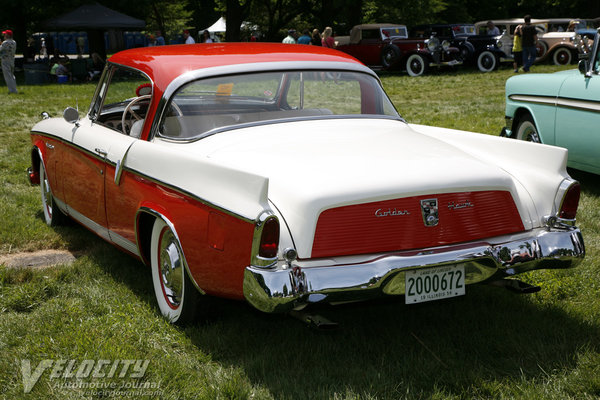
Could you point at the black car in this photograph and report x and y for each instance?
(482, 51)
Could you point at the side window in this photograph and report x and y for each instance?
(122, 100)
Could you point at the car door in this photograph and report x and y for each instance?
(100, 143)
(86, 170)
(578, 119)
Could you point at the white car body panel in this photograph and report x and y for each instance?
(306, 178)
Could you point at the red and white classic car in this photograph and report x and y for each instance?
(283, 175)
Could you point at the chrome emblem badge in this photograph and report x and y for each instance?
(429, 209)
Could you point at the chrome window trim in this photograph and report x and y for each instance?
(248, 69)
(276, 121)
(106, 77)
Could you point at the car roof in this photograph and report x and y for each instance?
(163, 64)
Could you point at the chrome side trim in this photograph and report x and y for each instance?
(124, 243)
(147, 177)
(100, 230)
(91, 225)
(584, 105)
(157, 214)
(282, 289)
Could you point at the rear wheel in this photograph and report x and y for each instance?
(416, 65)
(562, 56)
(487, 62)
(526, 130)
(176, 295)
(52, 214)
(390, 56)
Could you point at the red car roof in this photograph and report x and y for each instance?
(165, 63)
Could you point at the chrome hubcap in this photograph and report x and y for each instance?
(47, 195)
(171, 268)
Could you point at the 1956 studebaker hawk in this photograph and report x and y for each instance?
(284, 175)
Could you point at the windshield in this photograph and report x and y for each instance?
(208, 105)
(464, 29)
(394, 32)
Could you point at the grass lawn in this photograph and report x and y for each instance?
(488, 344)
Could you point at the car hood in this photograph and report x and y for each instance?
(316, 165)
(539, 84)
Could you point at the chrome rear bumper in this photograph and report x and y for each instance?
(286, 287)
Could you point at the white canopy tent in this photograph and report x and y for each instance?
(219, 26)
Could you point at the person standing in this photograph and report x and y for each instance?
(7, 54)
(160, 40)
(206, 37)
(316, 38)
(187, 38)
(517, 49)
(290, 39)
(305, 38)
(528, 41)
(328, 40)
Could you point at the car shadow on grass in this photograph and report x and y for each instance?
(467, 346)
(390, 350)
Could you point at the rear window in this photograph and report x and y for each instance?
(209, 105)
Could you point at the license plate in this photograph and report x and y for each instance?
(437, 283)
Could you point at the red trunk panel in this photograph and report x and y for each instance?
(467, 216)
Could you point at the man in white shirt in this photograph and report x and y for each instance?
(7, 54)
(290, 38)
(188, 39)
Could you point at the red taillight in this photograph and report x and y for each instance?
(568, 209)
(269, 240)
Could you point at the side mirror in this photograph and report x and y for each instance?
(71, 115)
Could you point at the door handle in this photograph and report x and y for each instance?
(50, 146)
(100, 151)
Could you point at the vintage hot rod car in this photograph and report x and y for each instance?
(389, 46)
(559, 109)
(481, 51)
(284, 175)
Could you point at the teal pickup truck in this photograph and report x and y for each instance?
(560, 109)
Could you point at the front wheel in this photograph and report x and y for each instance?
(562, 56)
(487, 62)
(175, 293)
(52, 214)
(416, 65)
(526, 130)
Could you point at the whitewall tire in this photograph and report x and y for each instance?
(487, 61)
(526, 130)
(175, 293)
(416, 65)
(52, 214)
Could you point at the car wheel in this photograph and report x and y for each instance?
(175, 293)
(52, 214)
(487, 62)
(562, 56)
(541, 49)
(416, 65)
(465, 53)
(526, 130)
(390, 55)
